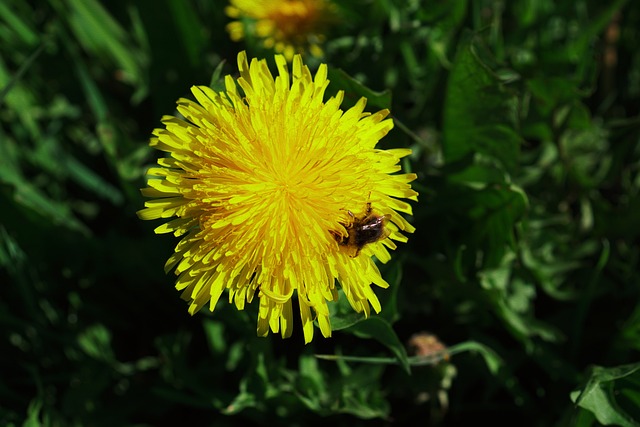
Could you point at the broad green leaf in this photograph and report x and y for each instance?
(551, 92)
(494, 212)
(313, 390)
(479, 111)
(612, 394)
(354, 391)
(380, 330)
(341, 314)
(479, 171)
(512, 300)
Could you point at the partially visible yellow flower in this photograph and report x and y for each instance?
(278, 192)
(287, 26)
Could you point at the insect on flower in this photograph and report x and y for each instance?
(362, 230)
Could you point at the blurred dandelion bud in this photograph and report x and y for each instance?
(286, 26)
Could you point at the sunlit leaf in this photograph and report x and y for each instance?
(612, 394)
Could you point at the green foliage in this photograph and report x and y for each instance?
(611, 395)
(524, 121)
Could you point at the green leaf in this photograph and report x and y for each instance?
(512, 299)
(353, 391)
(493, 361)
(494, 213)
(341, 314)
(8, 85)
(33, 414)
(96, 342)
(87, 178)
(389, 297)
(19, 25)
(354, 90)
(189, 28)
(586, 154)
(479, 112)
(19, 96)
(11, 254)
(313, 387)
(479, 170)
(217, 79)
(581, 45)
(214, 332)
(59, 213)
(612, 395)
(381, 330)
(104, 38)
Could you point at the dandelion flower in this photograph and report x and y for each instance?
(277, 192)
(287, 26)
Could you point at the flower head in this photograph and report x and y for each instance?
(276, 191)
(288, 26)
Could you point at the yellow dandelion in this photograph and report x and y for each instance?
(287, 26)
(276, 191)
